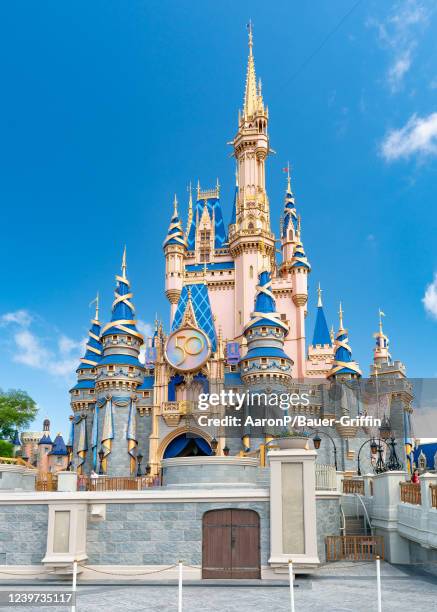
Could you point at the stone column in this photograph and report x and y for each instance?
(426, 480)
(384, 515)
(293, 529)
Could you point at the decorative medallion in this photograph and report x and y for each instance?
(187, 349)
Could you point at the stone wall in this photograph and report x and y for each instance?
(23, 533)
(425, 558)
(159, 533)
(328, 522)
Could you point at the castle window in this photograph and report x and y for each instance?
(130, 369)
(146, 393)
(263, 360)
(251, 272)
(110, 368)
(129, 338)
(205, 240)
(250, 227)
(91, 391)
(282, 361)
(263, 329)
(114, 338)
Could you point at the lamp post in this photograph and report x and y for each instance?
(101, 454)
(148, 469)
(317, 440)
(139, 459)
(214, 445)
(70, 452)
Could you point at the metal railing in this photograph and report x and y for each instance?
(16, 461)
(116, 483)
(326, 477)
(46, 481)
(410, 493)
(353, 486)
(354, 548)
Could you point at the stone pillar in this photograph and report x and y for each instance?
(368, 479)
(426, 480)
(67, 481)
(293, 529)
(384, 515)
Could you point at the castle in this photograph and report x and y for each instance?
(237, 315)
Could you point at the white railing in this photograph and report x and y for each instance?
(326, 478)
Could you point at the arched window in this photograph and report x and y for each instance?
(251, 272)
(250, 227)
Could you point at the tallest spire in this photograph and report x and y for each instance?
(251, 97)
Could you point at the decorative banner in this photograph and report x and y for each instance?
(232, 353)
(107, 433)
(94, 436)
(131, 436)
(150, 356)
(82, 446)
(187, 349)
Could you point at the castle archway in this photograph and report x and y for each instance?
(185, 442)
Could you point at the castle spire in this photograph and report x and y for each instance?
(93, 350)
(343, 363)
(251, 94)
(321, 332)
(190, 211)
(123, 311)
(381, 352)
(175, 234)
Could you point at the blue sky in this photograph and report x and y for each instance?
(108, 108)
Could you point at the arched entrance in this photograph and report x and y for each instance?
(231, 544)
(187, 445)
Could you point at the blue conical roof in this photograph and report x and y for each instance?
(213, 207)
(93, 352)
(343, 362)
(59, 447)
(290, 215)
(321, 331)
(265, 305)
(16, 439)
(45, 439)
(175, 235)
(123, 311)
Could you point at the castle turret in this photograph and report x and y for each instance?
(265, 358)
(45, 446)
(289, 227)
(250, 236)
(175, 246)
(381, 353)
(320, 351)
(343, 367)
(119, 373)
(58, 456)
(83, 395)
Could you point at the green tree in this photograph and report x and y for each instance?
(6, 449)
(17, 410)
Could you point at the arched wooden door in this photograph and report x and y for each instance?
(231, 544)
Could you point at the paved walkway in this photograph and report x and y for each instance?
(336, 588)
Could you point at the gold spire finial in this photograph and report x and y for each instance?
(236, 175)
(298, 226)
(288, 178)
(332, 334)
(97, 307)
(250, 94)
(190, 210)
(175, 206)
(198, 188)
(381, 314)
(123, 263)
(96, 302)
(340, 315)
(250, 31)
(319, 297)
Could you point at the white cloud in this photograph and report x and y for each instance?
(417, 137)
(399, 35)
(57, 355)
(430, 298)
(398, 70)
(23, 318)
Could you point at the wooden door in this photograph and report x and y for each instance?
(231, 544)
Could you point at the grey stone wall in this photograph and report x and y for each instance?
(424, 558)
(159, 533)
(210, 475)
(144, 429)
(23, 533)
(328, 523)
